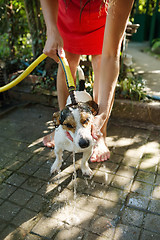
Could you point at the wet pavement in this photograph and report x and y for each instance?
(121, 201)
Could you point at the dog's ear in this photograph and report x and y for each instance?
(93, 107)
(55, 119)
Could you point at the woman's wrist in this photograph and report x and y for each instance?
(51, 30)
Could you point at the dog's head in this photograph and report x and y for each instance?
(76, 121)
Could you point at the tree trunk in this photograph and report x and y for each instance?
(29, 8)
(11, 29)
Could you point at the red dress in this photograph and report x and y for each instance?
(81, 25)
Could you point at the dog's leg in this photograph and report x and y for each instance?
(58, 162)
(84, 163)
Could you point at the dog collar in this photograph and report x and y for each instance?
(69, 136)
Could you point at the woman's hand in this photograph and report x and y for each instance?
(97, 127)
(54, 44)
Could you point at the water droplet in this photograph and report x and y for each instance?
(74, 176)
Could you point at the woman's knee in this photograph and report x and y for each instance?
(73, 60)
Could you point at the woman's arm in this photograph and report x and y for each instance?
(54, 41)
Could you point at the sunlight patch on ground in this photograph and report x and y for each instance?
(37, 141)
(152, 147)
(134, 152)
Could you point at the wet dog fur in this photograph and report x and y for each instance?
(73, 131)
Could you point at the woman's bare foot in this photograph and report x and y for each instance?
(48, 140)
(101, 152)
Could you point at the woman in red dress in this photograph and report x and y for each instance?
(88, 27)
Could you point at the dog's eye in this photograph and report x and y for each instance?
(68, 125)
(85, 121)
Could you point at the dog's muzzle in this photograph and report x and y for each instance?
(84, 142)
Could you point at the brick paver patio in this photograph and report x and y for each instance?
(121, 201)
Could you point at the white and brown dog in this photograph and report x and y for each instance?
(73, 130)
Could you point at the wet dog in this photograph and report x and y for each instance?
(73, 130)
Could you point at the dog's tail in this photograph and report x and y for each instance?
(81, 78)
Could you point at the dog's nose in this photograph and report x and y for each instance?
(84, 143)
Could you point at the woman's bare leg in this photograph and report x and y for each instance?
(101, 151)
(62, 90)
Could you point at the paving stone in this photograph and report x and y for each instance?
(32, 184)
(35, 203)
(142, 188)
(149, 165)
(14, 147)
(13, 165)
(90, 236)
(136, 152)
(37, 149)
(126, 232)
(23, 156)
(47, 227)
(20, 196)
(26, 219)
(66, 196)
(37, 160)
(102, 226)
(115, 158)
(147, 235)
(4, 175)
(122, 182)
(73, 233)
(12, 234)
(32, 237)
(131, 161)
(99, 206)
(42, 173)
(111, 193)
(3, 161)
(3, 224)
(7, 232)
(28, 169)
(126, 171)
(102, 177)
(159, 167)
(109, 167)
(119, 150)
(137, 201)
(152, 222)
(16, 179)
(1, 201)
(154, 206)
(157, 181)
(8, 210)
(132, 217)
(154, 136)
(156, 192)
(73, 216)
(62, 180)
(146, 177)
(11, 153)
(6, 190)
(152, 148)
(82, 185)
(97, 190)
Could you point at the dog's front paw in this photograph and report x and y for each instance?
(55, 168)
(87, 171)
